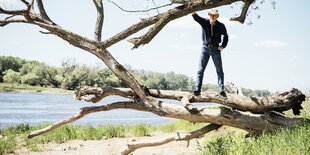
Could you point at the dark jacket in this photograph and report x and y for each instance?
(218, 30)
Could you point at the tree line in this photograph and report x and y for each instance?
(72, 75)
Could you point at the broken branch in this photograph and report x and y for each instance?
(178, 137)
(100, 18)
(244, 12)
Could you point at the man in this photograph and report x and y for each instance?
(212, 32)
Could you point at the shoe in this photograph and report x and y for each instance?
(222, 93)
(196, 92)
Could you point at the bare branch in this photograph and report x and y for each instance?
(175, 13)
(177, 137)
(129, 31)
(244, 11)
(13, 12)
(43, 12)
(6, 22)
(25, 2)
(9, 17)
(180, 1)
(100, 18)
(135, 11)
(69, 36)
(82, 113)
(156, 7)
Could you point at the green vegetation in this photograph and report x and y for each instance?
(181, 125)
(9, 136)
(10, 63)
(284, 141)
(20, 75)
(8, 87)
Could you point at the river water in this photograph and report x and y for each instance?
(37, 108)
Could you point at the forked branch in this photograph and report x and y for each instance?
(177, 137)
(135, 11)
(244, 11)
(43, 12)
(84, 111)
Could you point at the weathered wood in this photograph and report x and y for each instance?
(280, 102)
(186, 103)
(176, 137)
(100, 18)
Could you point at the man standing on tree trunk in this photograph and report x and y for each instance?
(212, 31)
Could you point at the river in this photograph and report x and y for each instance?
(37, 108)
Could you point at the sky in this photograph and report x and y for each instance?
(271, 53)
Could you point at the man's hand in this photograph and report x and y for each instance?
(220, 48)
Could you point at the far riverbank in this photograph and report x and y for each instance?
(12, 87)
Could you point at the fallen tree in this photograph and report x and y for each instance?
(265, 113)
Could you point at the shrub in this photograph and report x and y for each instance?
(11, 76)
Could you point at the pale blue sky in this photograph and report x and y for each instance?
(270, 54)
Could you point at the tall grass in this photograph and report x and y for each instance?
(284, 141)
(8, 137)
(69, 132)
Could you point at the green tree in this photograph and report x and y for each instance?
(30, 74)
(50, 75)
(31, 79)
(74, 76)
(156, 80)
(28, 67)
(11, 76)
(9, 62)
(109, 79)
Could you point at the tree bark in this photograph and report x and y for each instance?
(177, 137)
(281, 102)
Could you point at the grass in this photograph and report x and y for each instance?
(10, 87)
(10, 136)
(181, 126)
(284, 141)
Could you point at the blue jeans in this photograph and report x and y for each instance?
(215, 53)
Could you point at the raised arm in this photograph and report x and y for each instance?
(199, 19)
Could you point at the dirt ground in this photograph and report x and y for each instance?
(113, 146)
